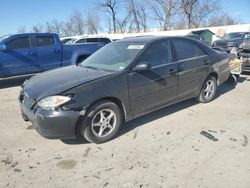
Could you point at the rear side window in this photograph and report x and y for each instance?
(92, 40)
(104, 40)
(18, 43)
(158, 53)
(185, 49)
(45, 41)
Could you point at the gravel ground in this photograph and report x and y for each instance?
(184, 145)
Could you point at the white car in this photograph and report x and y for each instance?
(85, 39)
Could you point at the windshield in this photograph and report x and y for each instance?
(113, 57)
(234, 35)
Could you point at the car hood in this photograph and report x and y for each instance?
(59, 80)
(226, 41)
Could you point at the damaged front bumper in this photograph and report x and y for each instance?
(52, 124)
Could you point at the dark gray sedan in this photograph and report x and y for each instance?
(121, 81)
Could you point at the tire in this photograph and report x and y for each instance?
(102, 123)
(208, 90)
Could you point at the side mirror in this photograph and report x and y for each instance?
(142, 67)
(2, 47)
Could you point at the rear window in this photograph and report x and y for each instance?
(18, 43)
(45, 41)
(185, 49)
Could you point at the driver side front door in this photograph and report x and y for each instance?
(154, 88)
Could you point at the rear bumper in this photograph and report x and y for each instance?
(50, 123)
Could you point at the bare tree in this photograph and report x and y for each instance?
(143, 16)
(221, 20)
(123, 22)
(78, 22)
(68, 28)
(49, 28)
(164, 10)
(111, 7)
(197, 12)
(93, 23)
(205, 9)
(137, 11)
(57, 26)
(133, 9)
(187, 7)
(38, 28)
(21, 29)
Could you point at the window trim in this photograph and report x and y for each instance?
(36, 42)
(171, 59)
(174, 53)
(30, 43)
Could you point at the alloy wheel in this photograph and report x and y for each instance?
(103, 123)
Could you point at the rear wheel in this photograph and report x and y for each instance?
(208, 90)
(102, 121)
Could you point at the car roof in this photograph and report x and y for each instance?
(243, 32)
(148, 39)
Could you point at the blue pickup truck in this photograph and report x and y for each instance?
(30, 53)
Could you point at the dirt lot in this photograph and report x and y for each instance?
(162, 149)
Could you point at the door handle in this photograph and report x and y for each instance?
(173, 71)
(206, 62)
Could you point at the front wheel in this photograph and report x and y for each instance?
(102, 121)
(208, 90)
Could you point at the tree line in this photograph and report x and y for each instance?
(120, 16)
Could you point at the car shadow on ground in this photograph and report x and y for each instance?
(13, 82)
(140, 121)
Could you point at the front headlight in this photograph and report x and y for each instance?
(52, 102)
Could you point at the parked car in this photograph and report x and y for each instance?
(232, 40)
(86, 39)
(121, 81)
(64, 40)
(37, 52)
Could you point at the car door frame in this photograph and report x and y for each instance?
(137, 98)
(189, 85)
(53, 50)
(25, 58)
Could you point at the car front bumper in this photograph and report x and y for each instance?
(52, 124)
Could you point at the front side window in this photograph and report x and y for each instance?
(45, 41)
(18, 43)
(113, 57)
(185, 49)
(157, 54)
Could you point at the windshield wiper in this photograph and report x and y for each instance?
(90, 67)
